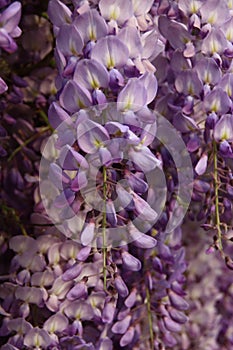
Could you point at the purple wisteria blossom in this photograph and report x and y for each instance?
(101, 248)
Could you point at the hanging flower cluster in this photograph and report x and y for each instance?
(9, 19)
(197, 65)
(141, 115)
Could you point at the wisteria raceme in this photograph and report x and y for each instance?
(97, 251)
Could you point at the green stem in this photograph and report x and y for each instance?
(44, 116)
(32, 138)
(150, 320)
(104, 248)
(216, 188)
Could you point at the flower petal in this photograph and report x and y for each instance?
(91, 74)
(106, 51)
(73, 97)
(91, 25)
(91, 136)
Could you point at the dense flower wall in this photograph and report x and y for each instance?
(116, 175)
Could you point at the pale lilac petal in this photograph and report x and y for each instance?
(174, 32)
(178, 302)
(178, 62)
(143, 158)
(56, 323)
(208, 71)
(136, 183)
(150, 83)
(215, 42)
(60, 288)
(70, 159)
(91, 136)
(201, 166)
(52, 303)
(57, 176)
(131, 38)
(84, 253)
(190, 7)
(188, 83)
(190, 50)
(61, 64)
(228, 29)
(140, 239)
(125, 198)
(115, 147)
(42, 279)
(70, 67)
(59, 13)
(23, 277)
(19, 325)
(116, 79)
(127, 337)
(106, 51)
(146, 115)
(111, 213)
(73, 97)
(69, 41)
(54, 253)
(105, 156)
(16, 32)
(99, 97)
(79, 310)
(225, 149)
(121, 326)
(91, 74)
(131, 299)
(226, 83)
(91, 25)
(11, 16)
(79, 182)
(178, 316)
(184, 123)
(152, 46)
(133, 96)
(29, 294)
(3, 86)
(64, 199)
(33, 262)
(144, 210)
(141, 7)
(121, 286)
(73, 272)
(157, 265)
(37, 337)
(115, 128)
(223, 129)
(130, 262)
(21, 244)
(171, 325)
(6, 42)
(78, 291)
(214, 12)
(56, 115)
(87, 234)
(148, 134)
(106, 344)
(217, 101)
(108, 312)
(117, 10)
